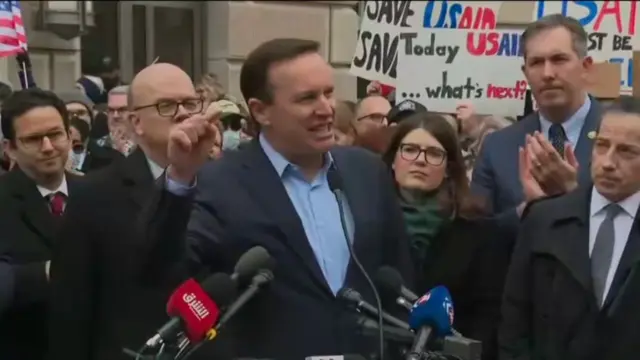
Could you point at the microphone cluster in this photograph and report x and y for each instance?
(199, 311)
(430, 320)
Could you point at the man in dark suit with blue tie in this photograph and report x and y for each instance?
(567, 118)
(275, 193)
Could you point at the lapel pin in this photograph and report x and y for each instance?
(591, 135)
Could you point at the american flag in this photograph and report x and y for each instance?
(13, 39)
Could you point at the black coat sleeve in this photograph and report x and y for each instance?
(515, 330)
(6, 282)
(486, 284)
(73, 282)
(182, 233)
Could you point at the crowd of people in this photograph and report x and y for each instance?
(114, 194)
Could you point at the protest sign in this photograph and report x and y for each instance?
(441, 67)
(604, 80)
(376, 55)
(611, 25)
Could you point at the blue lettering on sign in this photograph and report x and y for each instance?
(454, 12)
(591, 6)
(454, 15)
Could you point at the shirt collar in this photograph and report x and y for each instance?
(280, 163)
(573, 124)
(61, 189)
(599, 202)
(156, 170)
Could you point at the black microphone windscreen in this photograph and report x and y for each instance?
(254, 259)
(220, 288)
(350, 295)
(390, 280)
(334, 179)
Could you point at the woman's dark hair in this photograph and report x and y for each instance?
(82, 127)
(454, 194)
(99, 127)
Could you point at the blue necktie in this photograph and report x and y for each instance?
(558, 138)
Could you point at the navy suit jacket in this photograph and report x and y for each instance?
(496, 176)
(241, 202)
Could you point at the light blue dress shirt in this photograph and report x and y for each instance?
(572, 127)
(318, 210)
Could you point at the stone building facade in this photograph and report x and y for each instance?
(210, 36)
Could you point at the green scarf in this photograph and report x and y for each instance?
(423, 219)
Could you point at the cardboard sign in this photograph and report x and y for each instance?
(604, 80)
(441, 67)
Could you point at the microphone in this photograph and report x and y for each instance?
(390, 280)
(432, 313)
(195, 308)
(355, 298)
(336, 187)
(370, 327)
(250, 262)
(262, 278)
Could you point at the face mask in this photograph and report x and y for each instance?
(76, 159)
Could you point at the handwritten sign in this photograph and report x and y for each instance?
(376, 55)
(611, 25)
(437, 70)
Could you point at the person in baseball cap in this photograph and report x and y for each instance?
(231, 117)
(403, 109)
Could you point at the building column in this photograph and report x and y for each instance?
(234, 28)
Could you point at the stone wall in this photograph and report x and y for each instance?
(234, 28)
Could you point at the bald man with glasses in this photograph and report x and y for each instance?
(113, 312)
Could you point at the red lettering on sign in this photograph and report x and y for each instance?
(610, 7)
(507, 92)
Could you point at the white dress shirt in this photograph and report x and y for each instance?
(156, 170)
(61, 189)
(622, 225)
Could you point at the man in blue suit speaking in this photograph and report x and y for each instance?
(558, 137)
(275, 193)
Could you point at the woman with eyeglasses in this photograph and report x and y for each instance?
(453, 244)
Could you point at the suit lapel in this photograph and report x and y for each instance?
(265, 186)
(569, 242)
(354, 193)
(35, 211)
(585, 144)
(137, 178)
(630, 259)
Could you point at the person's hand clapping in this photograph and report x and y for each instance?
(189, 144)
(555, 174)
(532, 190)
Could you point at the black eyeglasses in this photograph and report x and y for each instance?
(169, 108)
(432, 155)
(375, 117)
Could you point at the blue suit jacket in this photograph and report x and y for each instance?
(495, 176)
(241, 202)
